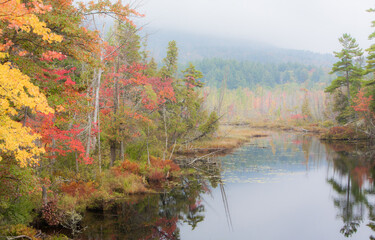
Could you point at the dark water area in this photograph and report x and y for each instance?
(284, 186)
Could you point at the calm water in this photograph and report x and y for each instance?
(284, 186)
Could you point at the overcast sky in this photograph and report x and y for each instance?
(313, 25)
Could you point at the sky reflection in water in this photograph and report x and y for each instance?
(288, 186)
(284, 187)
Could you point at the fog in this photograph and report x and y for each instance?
(313, 25)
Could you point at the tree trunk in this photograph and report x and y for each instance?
(44, 195)
(115, 108)
(25, 117)
(77, 170)
(348, 87)
(88, 144)
(97, 95)
(174, 145)
(96, 104)
(99, 148)
(113, 152)
(148, 152)
(53, 160)
(165, 131)
(122, 150)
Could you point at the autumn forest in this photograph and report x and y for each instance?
(89, 117)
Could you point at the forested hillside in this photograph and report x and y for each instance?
(198, 47)
(237, 74)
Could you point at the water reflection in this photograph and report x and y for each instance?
(267, 159)
(285, 186)
(352, 181)
(153, 216)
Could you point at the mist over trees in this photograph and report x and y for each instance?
(251, 74)
(199, 47)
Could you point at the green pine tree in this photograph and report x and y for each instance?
(349, 72)
(170, 61)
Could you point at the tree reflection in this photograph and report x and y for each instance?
(153, 216)
(351, 182)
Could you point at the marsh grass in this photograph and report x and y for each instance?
(291, 125)
(227, 138)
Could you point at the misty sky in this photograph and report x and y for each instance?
(313, 25)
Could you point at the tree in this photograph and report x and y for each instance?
(168, 71)
(362, 107)
(191, 75)
(17, 93)
(305, 108)
(348, 70)
(370, 67)
(170, 61)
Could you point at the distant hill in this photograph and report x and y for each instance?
(249, 74)
(198, 47)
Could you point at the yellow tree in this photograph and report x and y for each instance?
(16, 90)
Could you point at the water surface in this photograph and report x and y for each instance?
(284, 186)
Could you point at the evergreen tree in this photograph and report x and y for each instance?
(370, 67)
(152, 68)
(347, 68)
(305, 108)
(191, 75)
(349, 73)
(170, 61)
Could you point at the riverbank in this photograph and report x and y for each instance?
(227, 138)
(69, 199)
(295, 126)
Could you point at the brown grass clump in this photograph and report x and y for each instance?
(289, 125)
(228, 138)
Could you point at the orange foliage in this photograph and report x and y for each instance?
(156, 175)
(159, 163)
(126, 166)
(80, 188)
(361, 102)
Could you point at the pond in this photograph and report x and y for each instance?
(284, 186)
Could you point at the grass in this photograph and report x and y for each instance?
(227, 138)
(233, 135)
(290, 125)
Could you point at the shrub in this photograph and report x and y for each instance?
(17, 212)
(50, 213)
(161, 170)
(156, 175)
(126, 166)
(159, 163)
(18, 230)
(78, 189)
(327, 123)
(71, 220)
(124, 183)
(67, 203)
(343, 133)
(19, 193)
